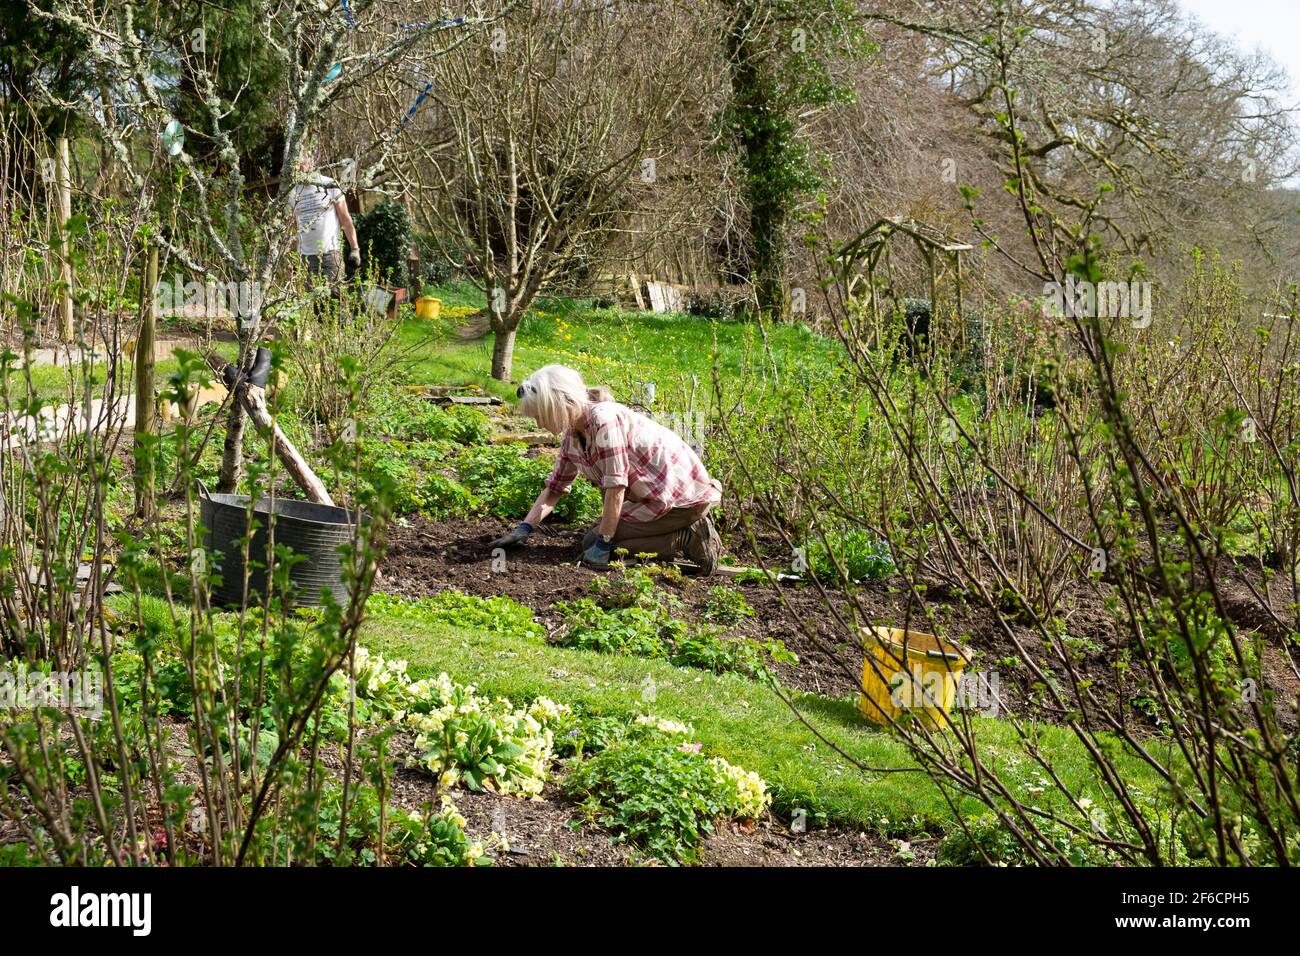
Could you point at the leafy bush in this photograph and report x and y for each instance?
(467, 426)
(443, 497)
(501, 615)
(862, 556)
(658, 791)
(638, 631)
(384, 234)
(402, 471)
(509, 483)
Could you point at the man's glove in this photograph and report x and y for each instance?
(514, 536)
(354, 257)
(597, 556)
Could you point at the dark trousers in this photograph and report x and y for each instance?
(326, 264)
(659, 537)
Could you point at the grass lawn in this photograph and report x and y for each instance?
(740, 720)
(610, 347)
(55, 383)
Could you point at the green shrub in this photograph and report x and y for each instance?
(444, 497)
(403, 470)
(406, 472)
(384, 235)
(467, 426)
(862, 556)
(638, 631)
(410, 417)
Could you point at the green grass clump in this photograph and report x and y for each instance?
(500, 615)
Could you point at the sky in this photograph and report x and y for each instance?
(1270, 25)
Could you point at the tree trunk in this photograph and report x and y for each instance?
(232, 452)
(145, 420)
(768, 226)
(764, 133)
(503, 354)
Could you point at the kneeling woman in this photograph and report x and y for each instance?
(657, 493)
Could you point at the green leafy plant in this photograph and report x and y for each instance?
(483, 743)
(432, 837)
(443, 497)
(509, 482)
(726, 606)
(630, 615)
(862, 556)
(402, 470)
(384, 234)
(658, 791)
(410, 417)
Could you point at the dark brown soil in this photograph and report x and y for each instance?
(425, 557)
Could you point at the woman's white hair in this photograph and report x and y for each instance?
(553, 395)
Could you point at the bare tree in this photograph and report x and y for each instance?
(234, 234)
(546, 133)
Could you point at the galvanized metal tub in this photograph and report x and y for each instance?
(314, 533)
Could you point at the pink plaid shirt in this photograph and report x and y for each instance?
(624, 449)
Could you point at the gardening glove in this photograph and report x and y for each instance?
(597, 556)
(514, 536)
(354, 257)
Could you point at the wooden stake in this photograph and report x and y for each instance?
(253, 400)
(146, 423)
(63, 176)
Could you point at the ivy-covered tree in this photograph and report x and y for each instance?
(779, 55)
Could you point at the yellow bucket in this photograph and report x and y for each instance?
(427, 307)
(908, 673)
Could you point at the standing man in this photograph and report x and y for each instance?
(322, 211)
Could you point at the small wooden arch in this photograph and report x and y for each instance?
(942, 254)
